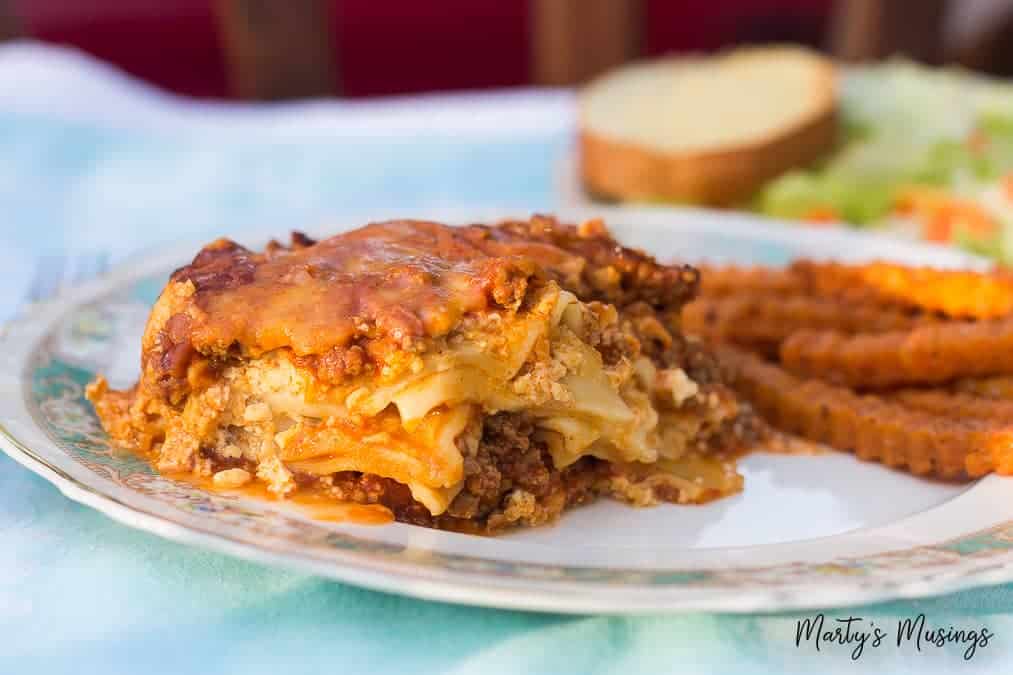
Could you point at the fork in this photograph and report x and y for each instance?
(46, 280)
(56, 273)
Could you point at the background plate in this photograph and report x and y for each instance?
(807, 531)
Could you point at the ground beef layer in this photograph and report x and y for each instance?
(510, 481)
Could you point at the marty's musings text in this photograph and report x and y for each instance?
(861, 635)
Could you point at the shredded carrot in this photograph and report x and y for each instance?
(903, 206)
(1007, 186)
(938, 227)
(941, 214)
(977, 141)
(821, 215)
(976, 220)
(917, 199)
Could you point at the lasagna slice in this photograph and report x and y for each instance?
(472, 378)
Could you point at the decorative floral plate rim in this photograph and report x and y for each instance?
(46, 427)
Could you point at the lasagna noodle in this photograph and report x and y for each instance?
(408, 429)
(426, 460)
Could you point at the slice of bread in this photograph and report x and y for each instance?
(705, 130)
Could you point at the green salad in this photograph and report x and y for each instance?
(928, 152)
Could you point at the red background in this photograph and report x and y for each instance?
(394, 46)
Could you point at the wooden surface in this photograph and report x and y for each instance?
(864, 30)
(992, 50)
(574, 40)
(278, 49)
(10, 27)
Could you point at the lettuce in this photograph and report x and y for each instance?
(903, 125)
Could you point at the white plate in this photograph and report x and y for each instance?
(824, 530)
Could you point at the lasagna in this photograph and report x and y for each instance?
(470, 378)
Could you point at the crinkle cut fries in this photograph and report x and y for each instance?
(909, 366)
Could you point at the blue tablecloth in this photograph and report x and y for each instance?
(93, 168)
